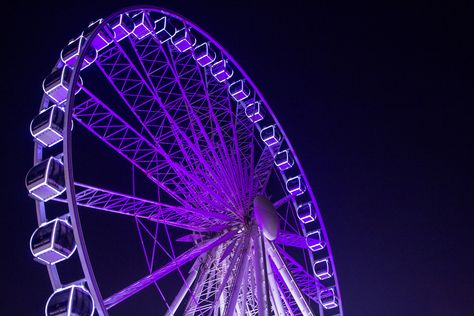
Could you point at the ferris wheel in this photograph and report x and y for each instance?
(220, 202)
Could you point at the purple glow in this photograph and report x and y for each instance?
(53, 242)
(164, 30)
(305, 212)
(254, 112)
(55, 85)
(322, 269)
(329, 299)
(183, 40)
(283, 160)
(70, 300)
(47, 127)
(270, 135)
(142, 27)
(239, 90)
(295, 185)
(221, 70)
(122, 26)
(314, 241)
(211, 159)
(204, 55)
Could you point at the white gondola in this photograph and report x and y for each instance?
(314, 240)
(270, 135)
(164, 30)
(221, 70)
(328, 299)
(53, 242)
(284, 160)
(47, 127)
(204, 55)
(322, 269)
(239, 90)
(122, 26)
(306, 213)
(142, 27)
(295, 185)
(102, 39)
(56, 84)
(70, 53)
(46, 179)
(254, 111)
(183, 40)
(73, 300)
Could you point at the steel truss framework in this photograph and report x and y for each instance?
(174, 122)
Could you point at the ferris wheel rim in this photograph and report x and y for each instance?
(68, 156)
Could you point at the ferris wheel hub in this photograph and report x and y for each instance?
(266, 217)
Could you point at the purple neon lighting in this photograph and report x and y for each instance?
(174, 215)
(199, 147)
(166, 269)
(163, 29)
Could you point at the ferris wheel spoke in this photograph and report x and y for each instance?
(163, 118)
(222, 108)
(263, 169)
(274, 293)
(286, 220)
(172, 177)
(244, 130)
(291, 239)
(174, 78)
(285, 276)
(178, 216)
(259, 269)
(235, 290)
(182, 259)
(200, 287)
(231, 266)
(101, 121)
(188, 76)
(213, 109)
(309, 285)
(186, 287)
(283, 201)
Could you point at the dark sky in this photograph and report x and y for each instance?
(377, 99)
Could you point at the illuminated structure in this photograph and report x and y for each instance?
(200, 131)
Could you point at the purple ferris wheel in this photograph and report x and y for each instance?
(219, 201)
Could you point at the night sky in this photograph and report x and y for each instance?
(377, 100)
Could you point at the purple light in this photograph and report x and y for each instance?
(71, 52)
(221, 71)
(142, 27)
(70, 300)
(196, 145)
(183, 40)
(55, 85)
(53, 242)
(122, 26)
(47, 127)
(254, 112)
(103, 38)
(314, 241)
(295, 185)
(306, 213)
(322, 269)
(46, 179)
(239, 90)
(283, 160)
(270, 135)
(164, 30)
(328, 299)
(204, 55)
